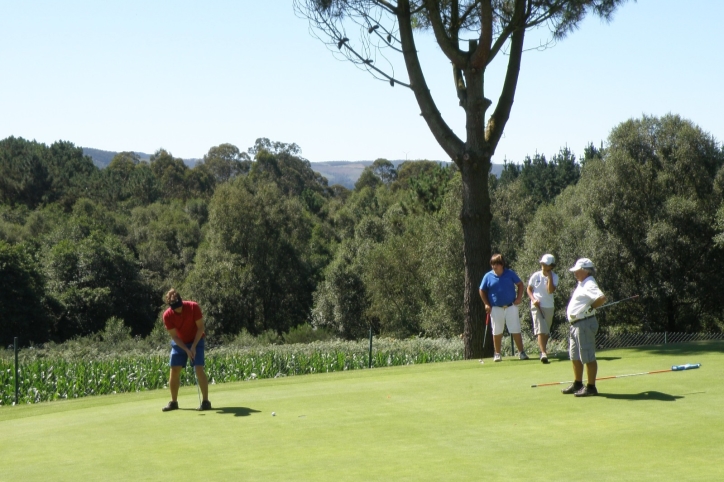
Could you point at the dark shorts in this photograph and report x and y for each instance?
(179, 356)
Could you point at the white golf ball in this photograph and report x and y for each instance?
(274, 414)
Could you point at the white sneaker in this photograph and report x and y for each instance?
(497, 357)
(523, 356)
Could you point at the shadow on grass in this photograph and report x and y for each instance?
(236, 411)
(662, 397)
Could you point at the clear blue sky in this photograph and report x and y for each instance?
(189, 75)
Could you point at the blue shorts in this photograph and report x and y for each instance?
(179, 356)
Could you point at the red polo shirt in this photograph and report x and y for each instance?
(184, 323)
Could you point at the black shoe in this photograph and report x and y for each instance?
(170, 406)
(587, 391)
(544, 359)
(572, 388)
(205, 405)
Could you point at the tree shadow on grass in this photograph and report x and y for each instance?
(652, 395)
(236, 411)
(683, 349)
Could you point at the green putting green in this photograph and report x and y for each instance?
(445, 421)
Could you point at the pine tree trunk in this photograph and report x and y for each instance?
(475, 218)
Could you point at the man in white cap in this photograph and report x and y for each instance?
(541, 286)
(581, 313)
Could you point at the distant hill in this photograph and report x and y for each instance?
(102, 158)
(345, 173)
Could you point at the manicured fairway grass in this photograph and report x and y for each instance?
(444, 421)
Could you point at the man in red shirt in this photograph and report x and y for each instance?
(185, 323)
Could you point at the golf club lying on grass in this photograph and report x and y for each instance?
(675, 368)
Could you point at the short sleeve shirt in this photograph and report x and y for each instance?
(586, 292)
(184, 323)
(539, 284)
(501, 289)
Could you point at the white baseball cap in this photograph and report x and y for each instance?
(581, 264)
(548, 259)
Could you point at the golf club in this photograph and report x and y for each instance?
(196, 378)
(675, 368)
(617, 302)
(485, 335)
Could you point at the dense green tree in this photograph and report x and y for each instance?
(94, 276)
(171, 174)
(385, 170)
(69, 173)
(430, 186)
(225, 162)
(291, 173)
(499, 28)
(512, 209)
(166, 238)
(255, 270)
(367, 179)
(23, 172)
(340, 300)
(646, 215)
(411, 169)
(24, 311)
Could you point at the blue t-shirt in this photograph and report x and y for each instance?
(501, 289)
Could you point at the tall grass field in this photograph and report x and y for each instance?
(459, 420)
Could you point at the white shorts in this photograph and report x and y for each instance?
(500, 317)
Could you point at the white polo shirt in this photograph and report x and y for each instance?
(539, 283)
(582, 298)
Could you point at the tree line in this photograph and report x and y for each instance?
(263, 243)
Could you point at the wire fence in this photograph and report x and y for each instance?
(605, 341)
(558, 342)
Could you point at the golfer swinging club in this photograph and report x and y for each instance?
(185, 324)
(581, 313)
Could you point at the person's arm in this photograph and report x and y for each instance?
(521, 289)
(532, 297)
(179, 342)
(200, 328)
(599, 302)
(484, 297)
(550, 285)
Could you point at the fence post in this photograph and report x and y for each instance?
(664, 338)
(15, 348)
(370, 358)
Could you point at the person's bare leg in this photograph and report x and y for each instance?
(577, 370)
(543, 342)
(497, 342)
(518, 342)
(203, 381)
(591, 372)
(174, 381)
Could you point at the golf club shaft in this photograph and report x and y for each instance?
(198, 390)
(617, 302)
(485, 335)
(675, 368)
